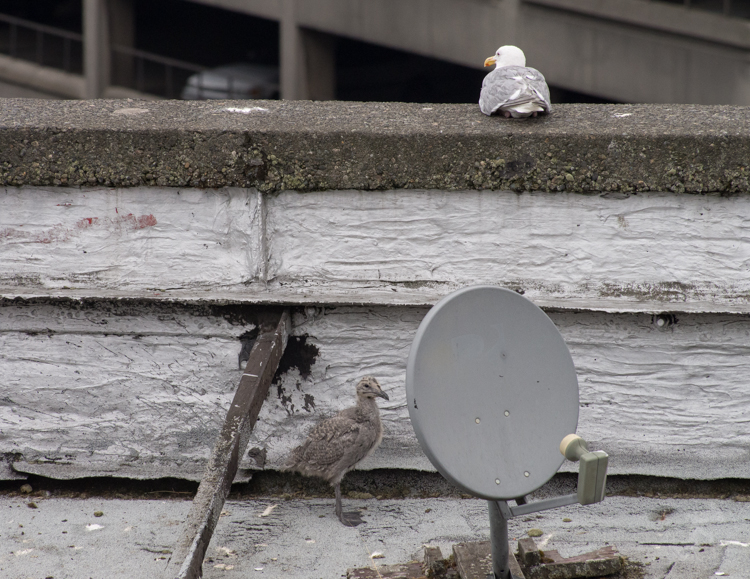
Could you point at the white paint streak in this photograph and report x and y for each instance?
(130, 112)
(268, 511)
(246, 110)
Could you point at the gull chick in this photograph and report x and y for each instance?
(513, 89)
(337, 444)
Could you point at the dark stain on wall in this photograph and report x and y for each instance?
(298, 354)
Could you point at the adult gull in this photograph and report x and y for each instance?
(513, 89)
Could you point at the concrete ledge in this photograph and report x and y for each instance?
(306, 146)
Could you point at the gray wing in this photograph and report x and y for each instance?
(513, 85)
(327, 444)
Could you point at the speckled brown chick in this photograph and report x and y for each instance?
(337, 444)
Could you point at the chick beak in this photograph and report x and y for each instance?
(490, 61)
(383, 395)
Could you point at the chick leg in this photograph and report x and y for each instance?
(351, 519)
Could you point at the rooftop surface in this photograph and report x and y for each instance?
(274, 538)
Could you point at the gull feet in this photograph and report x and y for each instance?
(351, 519)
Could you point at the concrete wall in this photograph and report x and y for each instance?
(625, 50)
(140, 241)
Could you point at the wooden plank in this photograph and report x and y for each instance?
(187, 558)
(552, 565)
(661, 400)
(374, 293)
(474, 560)
(528, 552)
(599, 563)
(411, 570)
(433, 560)
(123, 318)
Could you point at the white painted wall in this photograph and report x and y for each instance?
(657, 250)
(110, 390)
(646, 252)
(146, 392)
(141, 389)
(128, 240)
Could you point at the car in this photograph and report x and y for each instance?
(239, 80)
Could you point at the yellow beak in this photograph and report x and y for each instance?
(490, 61)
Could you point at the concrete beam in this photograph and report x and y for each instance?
(320, 65)
(15, 90)
(122, 33)
(636, 64)
(292, 59)
(96, 53)
(308, 63)
(678, 19)
(54, 83)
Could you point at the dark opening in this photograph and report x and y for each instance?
(203, 34)
(367, 72)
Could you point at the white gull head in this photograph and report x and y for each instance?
(507, 56)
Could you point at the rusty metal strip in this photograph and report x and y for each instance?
(187, 558)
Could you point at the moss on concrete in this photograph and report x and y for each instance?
(306, 146)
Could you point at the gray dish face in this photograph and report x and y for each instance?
(491, 390)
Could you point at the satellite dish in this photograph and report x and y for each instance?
(491, 391)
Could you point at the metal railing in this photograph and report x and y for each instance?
(37, 42)
(737, 8)
(58, 48)
(724, 6)
(150, 73)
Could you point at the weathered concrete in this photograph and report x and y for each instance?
(308, 146)
(276, 538)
